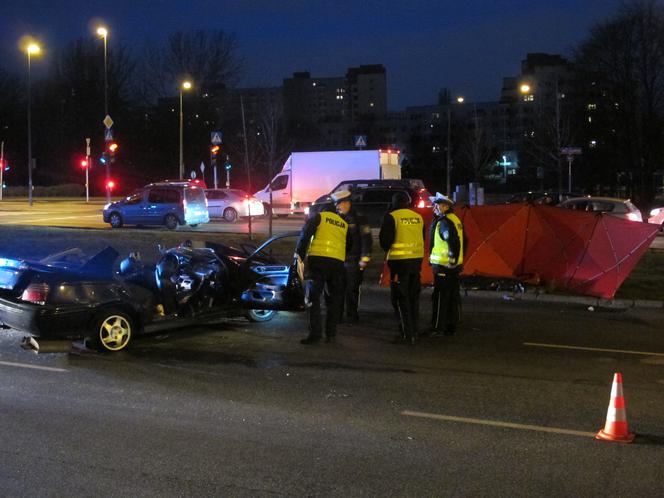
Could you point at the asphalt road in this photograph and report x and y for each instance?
(79, 214)
(240, 409)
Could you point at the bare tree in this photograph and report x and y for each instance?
(271, 139)
(623, 61)
(209, 58)
(477, 150)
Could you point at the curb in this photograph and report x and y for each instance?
(596, 302)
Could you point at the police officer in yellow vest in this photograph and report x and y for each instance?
(402, 236)
(323, 243)
(446, 241)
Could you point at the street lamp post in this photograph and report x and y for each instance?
(31, 49)
(103, 33)
(448, 164)
(186, 85)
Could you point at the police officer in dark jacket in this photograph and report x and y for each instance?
(446, 241)
(402, 236)
(358, 255)
(323, 243)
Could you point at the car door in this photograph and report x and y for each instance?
(133, 208)
(281, 194)
(272, 284)
(216, 203)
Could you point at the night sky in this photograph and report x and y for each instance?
(467, 46)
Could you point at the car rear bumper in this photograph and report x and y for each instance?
(45, 321)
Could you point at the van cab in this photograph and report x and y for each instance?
(163, 203)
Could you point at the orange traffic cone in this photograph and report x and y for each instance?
(615, 428)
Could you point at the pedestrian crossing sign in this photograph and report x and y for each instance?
(215, 138)
(360, 140)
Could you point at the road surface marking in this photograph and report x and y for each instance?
(53, 218)
(496, 423)
(36, 367)
(581, 348)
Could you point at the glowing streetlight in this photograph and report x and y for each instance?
(448, 165)
(186, 85)
(524, 88)
(31, 49)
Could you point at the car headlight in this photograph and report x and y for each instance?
(655, 211)
(306, 211)
(106, 206)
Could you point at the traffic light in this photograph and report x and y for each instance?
(84, 163)
(214, 152)
(112, 148)
(228, 165)
(110, 185)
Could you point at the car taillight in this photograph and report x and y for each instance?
(35, 293)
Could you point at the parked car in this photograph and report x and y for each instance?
(620, 208)
(165, 203)
(231, 204)
(657, 217)
(373, 197)
(67, 296)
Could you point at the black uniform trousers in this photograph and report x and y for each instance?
(352, 282)
(446, 299)
(405, 292)
(324, 276)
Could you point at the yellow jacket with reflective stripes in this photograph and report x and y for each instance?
(440, 253)
(408, 235)
(329, 241)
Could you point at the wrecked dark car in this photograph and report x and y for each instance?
(66, 296)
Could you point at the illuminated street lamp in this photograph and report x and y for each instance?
(32, 48)
(103, 32)
(460, 100)
(186, 85)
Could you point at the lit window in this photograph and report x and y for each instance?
(590, 119)
(592, 107)
(371, 104)
(435, 149)
(313, 84)
(529, 98)
(593, 144)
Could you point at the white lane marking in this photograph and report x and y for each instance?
(582, 348)
(36, 367)
(496, 423)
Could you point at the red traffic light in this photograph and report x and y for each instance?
(110, 185)
(112, 146)
(84, 163)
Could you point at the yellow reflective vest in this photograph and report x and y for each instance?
(408, 235)
(440, 253)
(329, 241)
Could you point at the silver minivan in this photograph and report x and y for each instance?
(620, 208)
(164, 203)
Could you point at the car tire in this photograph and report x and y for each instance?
(116, 220)
(112, 330)
(170, 221)
(260, 315)
(230, 215)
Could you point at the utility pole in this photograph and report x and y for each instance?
(449, 152)
(246, 163)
